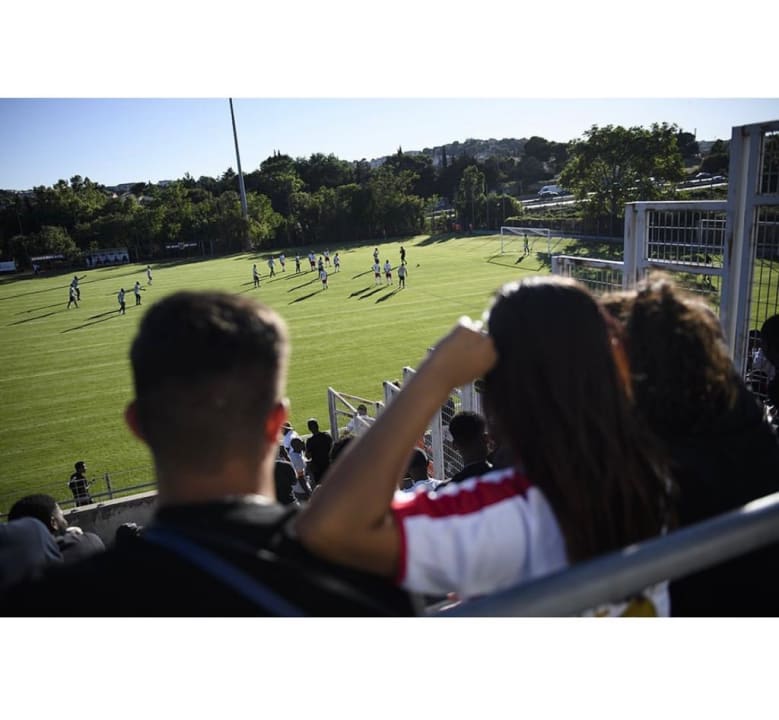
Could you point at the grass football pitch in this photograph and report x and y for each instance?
(66, 374)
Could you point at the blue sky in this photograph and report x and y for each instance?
(125, 140)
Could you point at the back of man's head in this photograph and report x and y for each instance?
(208, 368)
(468, 430)
(313, 425)
(39, 506)
(417, 465)
(769, 339)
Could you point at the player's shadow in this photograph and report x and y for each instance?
(31, 310)
(388, 295)
(372, 292)
(37, 317)
(96, 322)
(297, 287)
(359, 275)
(305, 297)
(359, 292)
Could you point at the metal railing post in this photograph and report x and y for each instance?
(107, 479)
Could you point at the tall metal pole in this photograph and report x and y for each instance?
(241, 186)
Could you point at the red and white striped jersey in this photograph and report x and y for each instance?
(482, 535)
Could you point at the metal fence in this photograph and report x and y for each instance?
(613, 577)
(109, 485)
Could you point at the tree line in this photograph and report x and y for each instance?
(324, 199)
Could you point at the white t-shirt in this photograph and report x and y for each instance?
(485, 534)
(359, 424)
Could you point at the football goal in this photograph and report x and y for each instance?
(522, 239)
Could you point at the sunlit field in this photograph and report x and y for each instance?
(66, 375)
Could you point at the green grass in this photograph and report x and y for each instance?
(66, 374)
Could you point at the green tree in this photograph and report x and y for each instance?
(470, 196)
(614, 165)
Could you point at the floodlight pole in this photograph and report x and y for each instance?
(241, 186)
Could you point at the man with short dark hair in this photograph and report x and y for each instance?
(209, 373)
(318, 450)
(73, 543)
(79, 485)
(416, 473)
(469, 435)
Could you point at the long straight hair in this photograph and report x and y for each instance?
(558, 399)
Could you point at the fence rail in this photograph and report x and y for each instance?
(613, 577)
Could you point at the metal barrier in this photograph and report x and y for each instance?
(615, 576)
(600, 276)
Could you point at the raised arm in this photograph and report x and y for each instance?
(347, 519)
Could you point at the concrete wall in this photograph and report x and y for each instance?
(104, 518)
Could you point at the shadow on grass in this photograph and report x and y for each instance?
(44, 307)
(103, 318)
(388, 295)
(362, 274)
(372, 292)
(37, 317)
(305, 297)
(359, 292)
(297, 287)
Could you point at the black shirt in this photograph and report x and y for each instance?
(142, 578)
(318, 449)
(475, 469)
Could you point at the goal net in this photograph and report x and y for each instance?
(516, 239)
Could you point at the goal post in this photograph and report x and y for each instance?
(512, 238)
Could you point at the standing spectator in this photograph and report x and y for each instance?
(148, 274)
(469, 436)
(120, 300)
(137, 291)
(388, 271)
(402, 272)
(318, 448)
(287, 435)
(79, 485)
(586, 480)
(209, 375)
(72, 299)
(271, 266)
(255, 275)
(337, 262)
(376, 273)
(73, 543)
(360, 422)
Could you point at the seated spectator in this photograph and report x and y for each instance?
(26, 549)
(469, 435)
(73, 543)
(209, 372)
(769, 342)
(722, 453)
(416, 475)
(360, 422)
(586, 478)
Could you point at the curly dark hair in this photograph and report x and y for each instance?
(558, 400)
(683, 376)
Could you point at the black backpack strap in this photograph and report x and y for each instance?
(231, 576)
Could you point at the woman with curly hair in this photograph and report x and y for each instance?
(722, 453)
(585, 477)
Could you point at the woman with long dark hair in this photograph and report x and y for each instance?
(585, 478)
